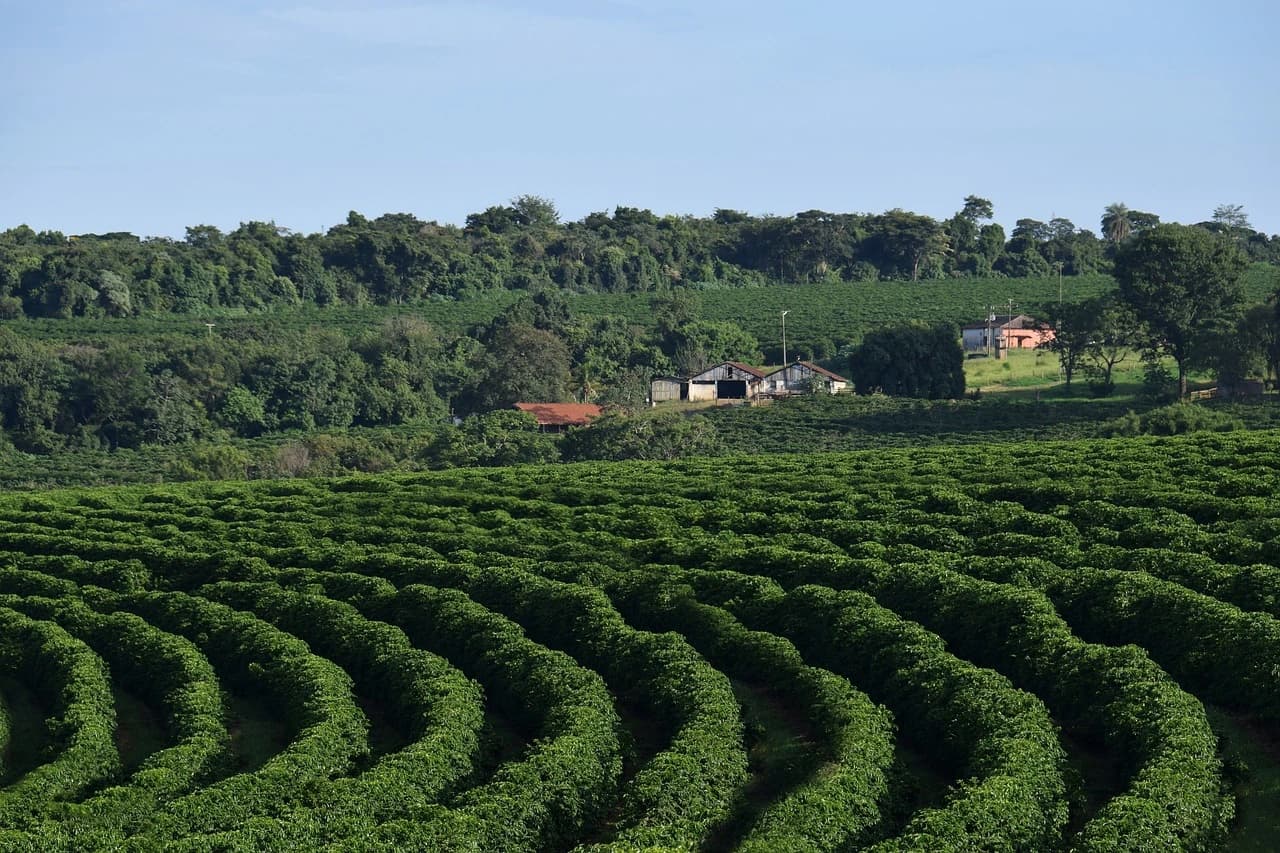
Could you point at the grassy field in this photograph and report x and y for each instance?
(1038, 374)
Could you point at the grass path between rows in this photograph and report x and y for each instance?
(1252, 749)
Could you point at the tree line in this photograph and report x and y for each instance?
(1179, 297)
(398, 258)
(256, 379)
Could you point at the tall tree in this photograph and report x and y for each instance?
(1231, 217)
(1116, 334)
(962, 235)
(1116, 225)
(912, 360)
(1184, 284)
(907, 241)
(528, 364)
(976, 209)
(1074, 328)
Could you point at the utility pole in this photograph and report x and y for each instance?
(784, 337)
(1008, 326)
(991, 318)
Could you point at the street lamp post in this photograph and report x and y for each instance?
(784, 337)
(1008, 328)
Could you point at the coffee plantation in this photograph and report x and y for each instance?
(1013, 646)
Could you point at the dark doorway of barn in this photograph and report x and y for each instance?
(731, 389)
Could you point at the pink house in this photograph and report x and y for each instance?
(1002, 332)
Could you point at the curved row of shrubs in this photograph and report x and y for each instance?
(839, 807)
(72, 682)
(440, 710)
(312, 694)
(171, 674)
(1000, 739)
(1117, 694)
(689, 786)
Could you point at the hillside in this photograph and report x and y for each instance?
(1030, 645)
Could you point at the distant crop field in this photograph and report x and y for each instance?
(1030, 646)
(821, 317)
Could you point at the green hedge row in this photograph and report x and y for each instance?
(312, 694)
(837, 808)
(72, 682)
(569, 775)
(1176, 784)
(560, 784)
(1014, 794)
(440, 709)
(687, 788)
(170, 674)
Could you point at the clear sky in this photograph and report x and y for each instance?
(152, 115)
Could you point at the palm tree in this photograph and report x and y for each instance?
(1115, 222)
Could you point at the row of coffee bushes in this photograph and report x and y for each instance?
(686, 789)
(999, 738)
(298, 799)
(547, 797)
(440, 711)
(313, 695)
(841, 806)
(1228, 654)
(1176, 792)
(172, 675)
(565, 781)
(73, 683)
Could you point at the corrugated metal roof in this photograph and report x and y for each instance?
(1004, 321)
(815, 368)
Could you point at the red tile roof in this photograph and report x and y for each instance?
(561, 414)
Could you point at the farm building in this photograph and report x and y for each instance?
(728, 380)
(665, 388)
(558, 417)
(1003, 332)
(803, 377)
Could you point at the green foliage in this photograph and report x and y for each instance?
(397, 259)
(210, 462)
(971, 603)
(1176, 419)
(910, 361)
(494, 438)
(662, 435)
(242, 412)
(1184, 283)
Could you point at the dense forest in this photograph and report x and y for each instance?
(399, 259)
(125, 384)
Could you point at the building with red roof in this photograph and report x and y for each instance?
(558, 417)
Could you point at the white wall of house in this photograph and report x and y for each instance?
(702, 389)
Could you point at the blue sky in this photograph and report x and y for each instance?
(149, 116)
